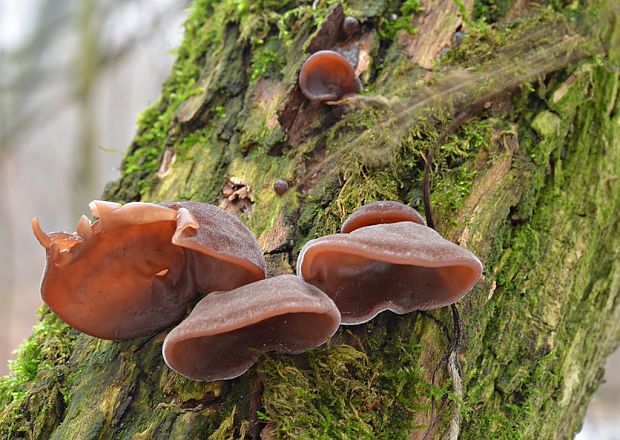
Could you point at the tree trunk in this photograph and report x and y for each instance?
(520, 125)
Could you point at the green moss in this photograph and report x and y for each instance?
(188, 392)
(49, 346)
(547, 125)
(380, 165)
(490, 11)
(204, 44)
(202, 33)
(265, 62)
(456, 168)
(391, 173)
(541, 307)
(378, 153)
(523, 353)
(226, 429)
(389, 26)
(341, 392)
(41, 360)
(504, 43)
(204, 36)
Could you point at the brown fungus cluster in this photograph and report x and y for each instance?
(135, 270)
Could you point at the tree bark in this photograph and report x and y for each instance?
(520, 125)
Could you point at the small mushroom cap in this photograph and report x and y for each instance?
(328, 76)
(376, 213)
(134, 271)
(227, 331)
(350, 25)
(400, 267)
(280, 186)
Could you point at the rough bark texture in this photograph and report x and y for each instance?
(522, 117)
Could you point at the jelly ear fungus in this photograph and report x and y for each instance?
(328, 76)
(376, 213)
(227, 331)
(135, 270)
(387, 263)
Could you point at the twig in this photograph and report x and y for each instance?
(454, 372)
(451, 357)
(426, 190)
(256, 404)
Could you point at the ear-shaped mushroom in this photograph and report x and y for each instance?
(328, 76)
(224, 252)
(227, 331)
(134, 271)
(382, 212)
(401, 267)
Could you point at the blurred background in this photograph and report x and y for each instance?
(74, 74)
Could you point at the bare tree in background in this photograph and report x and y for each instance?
(53, 66)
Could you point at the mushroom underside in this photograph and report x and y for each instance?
(330, 88)
(212, 273)
(328, 76)
(228, 355)
(362, 287)
(121, 285)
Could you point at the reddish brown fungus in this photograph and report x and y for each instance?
(227, 331)
(134, 271)
(401, 267)
(225, 254)
(328, 76)
(383, 212)
(280, 187)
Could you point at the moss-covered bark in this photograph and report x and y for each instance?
(526, 176)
